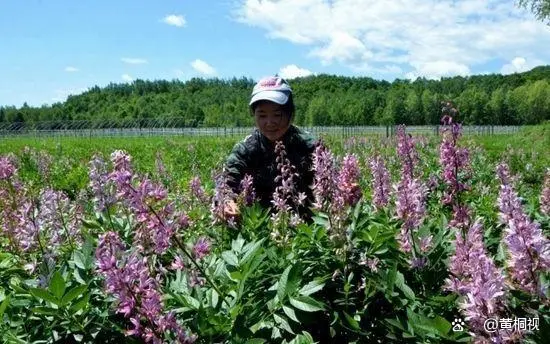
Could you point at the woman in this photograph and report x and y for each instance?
(273, 109)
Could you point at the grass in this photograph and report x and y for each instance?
(527, 153)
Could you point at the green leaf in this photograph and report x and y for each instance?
(304, 338)
(289, 281)
(306, 304)
(352, 322)
(281, 289)
(255, 341)
(323, 221)
(400, 283)
(260, 325)
(91, 224)
(45, 310)
(43, 294)
(290, 313)
(391, 276)
(81, 304)
(396, 323)
(73, 294)
(441, 324)
(179, 285)
(237, 244)
(57, 285)
(251, 249)
(312, 287)
(215, 298)
(4, 305)
(192, 302)
(284, 324)
(78, 259)
(230, 258)
(381, 251)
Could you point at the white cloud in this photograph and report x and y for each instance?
(430, 38)
(438, 69)
(292, 71)
(343, 47)
(127, 78)
(71, 69)
(203, 67)
(176, 20)
(517, 65)
(133, 60)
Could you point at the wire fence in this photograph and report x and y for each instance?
(175, 126)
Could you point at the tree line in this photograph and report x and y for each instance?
(516, 99)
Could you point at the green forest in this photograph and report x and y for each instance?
(516, 99)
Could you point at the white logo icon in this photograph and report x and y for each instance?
(458, 325)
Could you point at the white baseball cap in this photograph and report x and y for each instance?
(273, 88)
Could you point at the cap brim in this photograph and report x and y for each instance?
(273, 96)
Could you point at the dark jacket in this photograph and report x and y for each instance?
(255, 155)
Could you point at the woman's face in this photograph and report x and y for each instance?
(271, 120)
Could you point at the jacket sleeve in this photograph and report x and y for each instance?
(236, 164)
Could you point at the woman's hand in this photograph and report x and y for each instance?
(230, 209)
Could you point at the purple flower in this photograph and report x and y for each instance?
(454, 161)
(411, 209)
(178, 263)
(223, 195)
(406, 151)
(371, 263)
(197, 190)
(100, 183)
(21, 226)
(325, 176)
(201, 248)
(380, 182)
(460, 217)
(58, 218)
(433, 183)
(335, 190)
(529, 249)
(285, 194)
(418, 262)
(248, 195)
(183, 221)
(128, 278)
(7, 168)
(545, 195)
(348, 181)
(425, 243)
(285, 197)
(43, 163)
(148, 202)
(503, 173)
(476, 277)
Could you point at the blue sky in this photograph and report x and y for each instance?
(52, 48)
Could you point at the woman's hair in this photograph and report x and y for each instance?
(288, 108)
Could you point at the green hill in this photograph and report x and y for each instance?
(522, 98)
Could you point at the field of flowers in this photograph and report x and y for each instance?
(415, 239)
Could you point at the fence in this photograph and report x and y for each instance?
(175, 126)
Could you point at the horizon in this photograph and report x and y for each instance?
(226, 79)
(97, 43)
